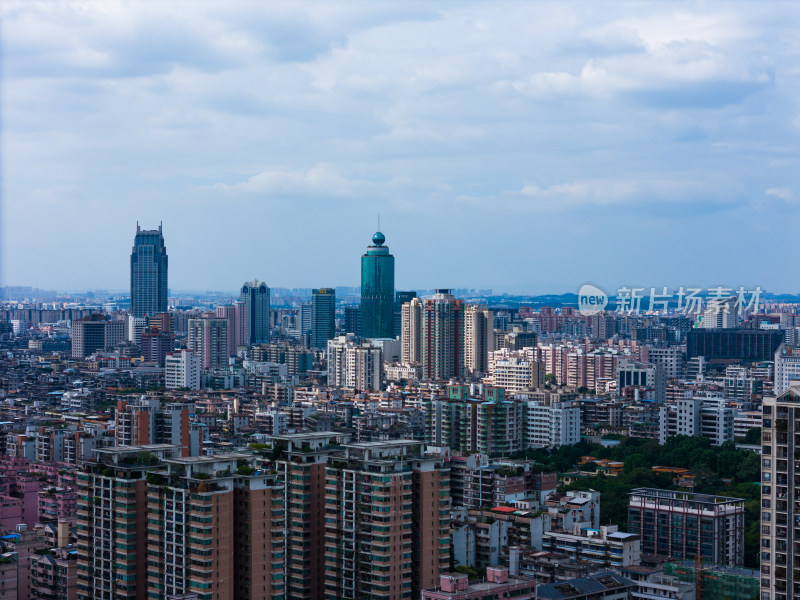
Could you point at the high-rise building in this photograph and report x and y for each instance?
(787, 367)
(779, 514)
(678, 525)
(94, 333)
(136, 327)
(112, 517)
(478, 338)
(145, 421)
(442, 336)
(387, 529)
(401, 298)
(352, 320)
(707, 417)
(354, 365)
(721, 313)
(323, 317)
(155, 347)
(234, 313)
(517, 375)
(216, 525)
(516, 339)
(155, 525)
(301, 466)
(182, 370)
(475, 419)
(208, 338)
(148, 273)
(649, 379)
(255, 298)
(377, 290)
(305, 323)
(744, 344)
(411, 332)
(558, 424)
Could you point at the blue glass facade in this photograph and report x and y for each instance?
(323, 317)
(148, 273)
(377, 290)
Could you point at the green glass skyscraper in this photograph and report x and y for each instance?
(323, 317)
(377, 290)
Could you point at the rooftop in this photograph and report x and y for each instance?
(582, 586)
(686, 496)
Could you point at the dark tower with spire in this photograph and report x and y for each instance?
(377, 290)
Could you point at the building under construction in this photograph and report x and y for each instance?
(719, 582)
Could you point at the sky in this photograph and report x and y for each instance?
(528, 147)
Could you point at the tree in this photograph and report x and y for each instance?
(636, 461)
(471, 572)
(753, 436)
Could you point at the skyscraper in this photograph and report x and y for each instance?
(352, 320)
(478, 338)
(148, 273)
(323, 317)
(377, 290)
(401, 298)
(442, 336)
(779, 513)
(387, 521)
(208, 339)
(255, 297)
(411, 332)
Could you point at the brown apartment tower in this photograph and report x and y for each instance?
(387, 519)
(311, 521)
(301, 460)
(112, 513)
(153, 524)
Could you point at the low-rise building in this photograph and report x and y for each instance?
(497, 584)
(606, 547)
(603, 586)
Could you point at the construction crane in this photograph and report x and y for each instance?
(699, 579)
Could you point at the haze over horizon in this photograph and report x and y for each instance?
(523, 147)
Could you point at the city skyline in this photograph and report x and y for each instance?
(539, 146)
(141, 233)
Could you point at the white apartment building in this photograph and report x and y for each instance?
(354, 366)
(182, 370)
(411, 332)
(402, 371)
(670, 359)
(551, 426)
(707, 417)
(516, 375)
(604, 547)
(478, 338)
(744, 422)
(721, 313)
(135, 326)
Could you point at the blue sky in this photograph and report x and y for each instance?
(523, 146)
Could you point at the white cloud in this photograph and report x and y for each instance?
(321, 178)
(782, 193)
(464, 111)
